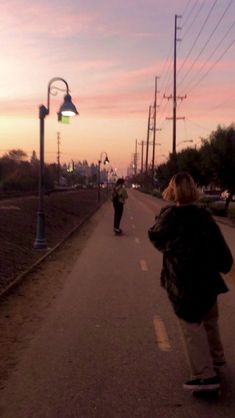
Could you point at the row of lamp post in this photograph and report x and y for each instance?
(67, 109)
(105, 161)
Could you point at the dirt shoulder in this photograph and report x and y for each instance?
(64, 211)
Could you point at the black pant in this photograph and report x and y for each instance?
(118, 211)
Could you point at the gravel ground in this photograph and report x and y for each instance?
(63, 212)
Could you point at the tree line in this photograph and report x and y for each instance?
(20, 174)
(211, 165)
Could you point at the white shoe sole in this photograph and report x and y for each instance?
(202, 388)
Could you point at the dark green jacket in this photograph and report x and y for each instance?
(194, 255)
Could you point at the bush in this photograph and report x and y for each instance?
(153, 192)
(144, 189)
(216, 207)
(218, 210)
(20, 184)
(231, 214)
(157, 193)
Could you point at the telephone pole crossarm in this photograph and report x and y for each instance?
(178, 118)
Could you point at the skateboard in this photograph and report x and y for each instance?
(207, 394)
(118, 233)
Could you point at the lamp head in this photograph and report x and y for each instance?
(106, 160)
(68, 108)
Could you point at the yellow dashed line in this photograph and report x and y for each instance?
(143, 265)
(161, 334)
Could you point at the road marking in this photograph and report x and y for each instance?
(161, 334)
(143, 265)
(137, 240)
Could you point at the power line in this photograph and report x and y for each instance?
(196, 124)
(161, 115)
(163, 96)
(160, 111)
(193, 19)
(207, 42)
(190, 11)
(212, 66)
(222, 103)
(210, 56)
(198, 35)
(165, 63)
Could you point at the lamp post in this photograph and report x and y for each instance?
(67, 109)
(105, 161)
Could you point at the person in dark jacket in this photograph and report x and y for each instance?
(194, 256)
(119, 196)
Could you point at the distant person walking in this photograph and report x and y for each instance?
(194, 254)
(119, 196)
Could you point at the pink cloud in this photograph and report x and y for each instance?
(129, 79)
(41, 19)
(125, 104)
(207, 103)
(113, 104)
(97, 65)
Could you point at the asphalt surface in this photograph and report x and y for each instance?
(110, 345)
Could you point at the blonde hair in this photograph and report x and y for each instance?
(181, 189)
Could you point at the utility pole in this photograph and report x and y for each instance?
(174, 96)
(154, 124)
(135, 158)
(174, 90)
(174, 86)
(58, 157)
(142, 156)
(147, 148)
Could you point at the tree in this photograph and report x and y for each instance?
(34, 160)
(165, 171)
(21, 179)
(16, 155)
(218, 159)
(189, 160)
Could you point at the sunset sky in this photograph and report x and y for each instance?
(109, 52)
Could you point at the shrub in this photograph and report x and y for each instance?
(157, 193)
(218, 209)
(231, 214)
(144, 189)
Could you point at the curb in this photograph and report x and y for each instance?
(225, 221)
(22, 275)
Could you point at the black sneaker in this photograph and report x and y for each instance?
(212, 383)
(117, 231)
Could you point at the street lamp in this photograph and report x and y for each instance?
(183, 142)
(105, 161)
(67, 109)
